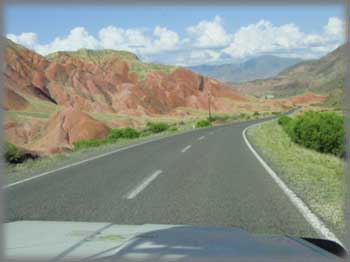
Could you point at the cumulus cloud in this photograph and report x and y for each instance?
(27, 39)
(112, 37)
(77, 38)
(335, 27)
(205, 42)
(263, 37)
(209, 33)
(166, 39)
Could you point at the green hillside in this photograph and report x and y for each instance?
(104, 56)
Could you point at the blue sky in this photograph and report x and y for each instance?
(179, 34)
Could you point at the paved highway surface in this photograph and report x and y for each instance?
(205, 177)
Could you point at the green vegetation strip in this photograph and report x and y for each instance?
(21, 165)
(315, 177)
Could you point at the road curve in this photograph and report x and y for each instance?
(206, 177)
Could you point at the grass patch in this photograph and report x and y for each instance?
(143, 69)
(315, 177)
(203, 123)
(157, 127)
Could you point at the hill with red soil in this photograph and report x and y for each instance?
(52, 101)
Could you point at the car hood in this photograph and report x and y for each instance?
(83, 241)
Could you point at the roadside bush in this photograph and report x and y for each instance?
(202, 123)
(115, 134)
(173, 129)
(242, 115)
(130, 133)
(320, 131)
(145, 132)
(126, 133)
(82, 144)
(277, 113)
(256, 114)
(222, 118)
(284, 120)
(288, 125)
(12, 154)
(157, 127)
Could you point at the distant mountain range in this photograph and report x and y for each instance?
(324, 76)
(256, 68)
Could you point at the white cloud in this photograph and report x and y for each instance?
(27, 39)
(335, 27)
(209, 33)
(167, 39)
(77, 38)
(205, 42)
(263, 37)
(112, 37)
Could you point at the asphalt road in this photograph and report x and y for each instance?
(206, 177)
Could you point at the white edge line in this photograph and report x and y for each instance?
(186, 148)
(96, 157)
(310, 217)
(138, 189)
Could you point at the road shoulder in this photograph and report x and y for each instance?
(315, 178)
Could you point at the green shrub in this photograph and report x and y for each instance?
(277, 113)
(242, 115)
(181, 123)
(130, 133)
(284, 120)
(126, 133)
(12, 154)
(115, 134)
(145, 132)
(320, 131)
(173, 129)
(82, 144)
(256, 114)
(202, 123)
(222, 118)
(288, 124)
(157, 127)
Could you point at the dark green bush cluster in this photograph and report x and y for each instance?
(157, 127)
(202, 123)
(114, 135)
(12, 154)
(81, 144)
(320, 131)
(277, 113)
(173, 129)
(126, 133)
(256, 113)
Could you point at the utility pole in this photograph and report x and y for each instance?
(201, 88)
(209, 103)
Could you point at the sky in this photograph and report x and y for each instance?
(181, 35)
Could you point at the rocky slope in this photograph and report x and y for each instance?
(67, 96)
(325, 76)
